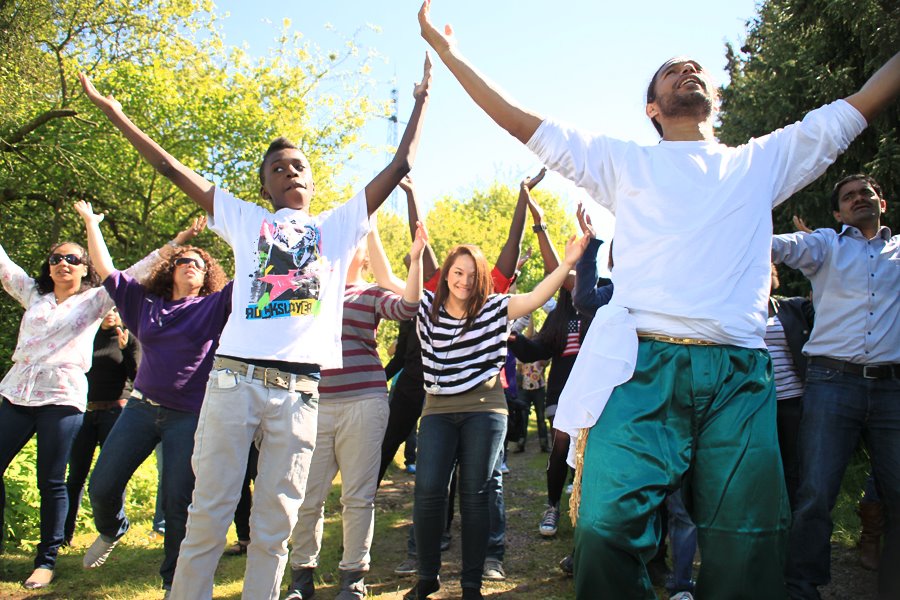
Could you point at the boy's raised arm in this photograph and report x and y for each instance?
(520, 123)
(378, 190)
(195, 187)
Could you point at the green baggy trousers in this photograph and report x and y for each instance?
(701, 417)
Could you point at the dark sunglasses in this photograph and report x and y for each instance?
(72, 259)
(186, 260)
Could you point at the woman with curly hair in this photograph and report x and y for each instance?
(177, 315)
(45, 391)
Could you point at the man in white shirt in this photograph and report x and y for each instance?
(693, 402)
(853, 377)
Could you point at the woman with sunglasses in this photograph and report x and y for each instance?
(463, 328)
(177, 315)
(45, 391)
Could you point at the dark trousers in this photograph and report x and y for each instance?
(93, 432)
(407, 398)
(242, 512)
(839, 409)
(134, 436)
(56, 427)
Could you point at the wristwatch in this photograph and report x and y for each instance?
(539, 227)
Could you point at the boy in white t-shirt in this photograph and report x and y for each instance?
(290, 269)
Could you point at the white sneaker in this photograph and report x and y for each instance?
(97, 554)
(408, 567)
(549, 522)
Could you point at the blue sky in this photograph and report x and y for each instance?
(584, 62)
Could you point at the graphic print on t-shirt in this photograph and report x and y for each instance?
(287, 283)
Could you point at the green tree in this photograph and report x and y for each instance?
(212, 106)
(482, 219)
(209, 104)
(799, 55)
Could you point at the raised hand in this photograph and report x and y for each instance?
(574, 249)
(800, 224)
(406, 184)
(420, 90)
(122, 334)
(524, 258)
(530, 182)
(191, 231)
(420, 241)
(105, 103)
(584, 221)
(87, 213)
(437, 40)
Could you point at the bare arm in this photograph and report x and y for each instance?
(97, 249)
(380, 265)
(520, 123)
(384, 183)
(429, 260)
(879, 91)
(507, 262)
(413, 291)
(99, 252)
(548, 252)
(523, 304)
(192, 184)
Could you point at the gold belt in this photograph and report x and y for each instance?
(676, 340)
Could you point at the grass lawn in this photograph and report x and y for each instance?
(531, 561)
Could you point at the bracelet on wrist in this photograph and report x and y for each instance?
(173, 244)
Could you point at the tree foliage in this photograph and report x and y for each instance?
(209, 104)
(801, 54)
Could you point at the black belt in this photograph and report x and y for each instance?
(865, 371)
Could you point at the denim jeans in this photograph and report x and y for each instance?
(475, 440)
(683, 540)
(139, 428)
(93, 432)
(56, 427)
(838, 409)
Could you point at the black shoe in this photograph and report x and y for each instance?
(423, 589)
(472, 594)
(302, 585)
(445, 541)
(567, 565)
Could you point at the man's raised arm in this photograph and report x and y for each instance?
(194, 186)
(519, 122)
(879, 91)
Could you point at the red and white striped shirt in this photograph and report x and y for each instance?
(362, 373)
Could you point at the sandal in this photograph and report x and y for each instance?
(238, 548)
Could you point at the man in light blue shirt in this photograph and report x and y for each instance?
(853, 379)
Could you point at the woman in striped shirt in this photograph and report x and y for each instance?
(463, 329)
(353, 414)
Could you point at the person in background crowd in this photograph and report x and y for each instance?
(113, 368)
(852, 378)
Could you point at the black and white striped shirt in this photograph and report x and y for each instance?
(457, 359)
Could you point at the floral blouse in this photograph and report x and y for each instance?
(56, 341)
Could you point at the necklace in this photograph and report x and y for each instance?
(435, 388)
